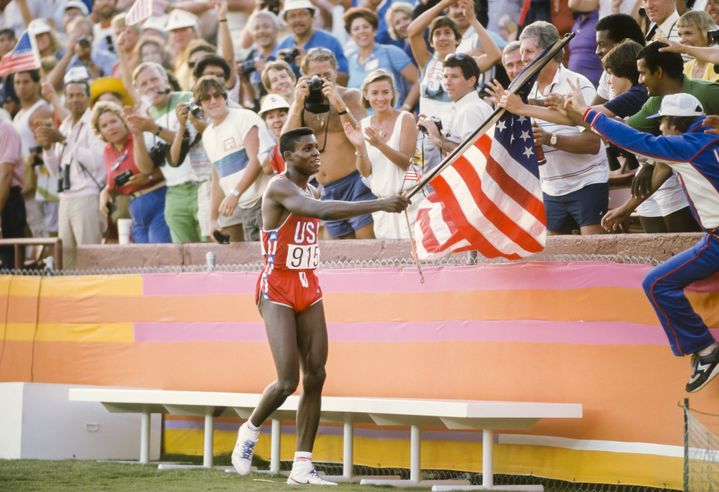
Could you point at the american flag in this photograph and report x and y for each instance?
(22, 58)
(489, 199)
(412, 173)
(140, 10)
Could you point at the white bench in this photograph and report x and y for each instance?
(487, 416)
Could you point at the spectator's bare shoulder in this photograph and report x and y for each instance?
(351, 96)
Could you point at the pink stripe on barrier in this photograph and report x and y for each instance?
(501, 276)
(524, 331)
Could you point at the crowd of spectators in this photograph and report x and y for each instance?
(174, 122)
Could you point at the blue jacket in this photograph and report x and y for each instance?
(694, 155)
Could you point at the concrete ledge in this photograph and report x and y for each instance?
(659, 246)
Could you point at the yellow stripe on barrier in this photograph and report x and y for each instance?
(93, 285)
(69, 332)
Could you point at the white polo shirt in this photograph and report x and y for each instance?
(566, 172)
(225, 146)
(467, 115)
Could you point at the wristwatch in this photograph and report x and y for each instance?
(553, 140)
(234, 192)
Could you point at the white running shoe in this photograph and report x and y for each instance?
(303, 472)
(245, 446)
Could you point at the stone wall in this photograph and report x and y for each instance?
(659, 246)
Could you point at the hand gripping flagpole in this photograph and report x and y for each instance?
(525, 76)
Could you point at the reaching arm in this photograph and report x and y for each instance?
(701, 53)
(492, 54)
(415, 32)
(142, 156)
(225, 42)
(286, 194)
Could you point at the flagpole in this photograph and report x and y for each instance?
(516, 84)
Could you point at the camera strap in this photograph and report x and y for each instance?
(72, 158)
(326, 125)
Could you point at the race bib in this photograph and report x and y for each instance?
(303, 257)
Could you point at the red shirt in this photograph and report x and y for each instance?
(277, 161)
(118, 162)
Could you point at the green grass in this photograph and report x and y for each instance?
(33, 475)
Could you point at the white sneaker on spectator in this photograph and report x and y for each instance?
(303, 472)
(245, 446)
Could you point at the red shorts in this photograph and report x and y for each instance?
(296, 289)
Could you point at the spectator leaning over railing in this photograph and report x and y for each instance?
(232, 143)
(73, 155)
(146, 191)
(662, 74)
(694, 27)
(575, 176)
(384, 146)
(361, 25)
(12, 206)
(324, 108)
(686, 148)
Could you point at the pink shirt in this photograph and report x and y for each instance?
(11, 152)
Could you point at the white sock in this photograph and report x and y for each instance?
(707, 350)
(303, 456)
(252, 427)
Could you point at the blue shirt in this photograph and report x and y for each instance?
(387, 57)
(319, 39)
(382, 35)
(104, 60)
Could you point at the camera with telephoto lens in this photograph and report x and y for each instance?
(289, 55)
(436, 121)
(316, 101)
(36, 156)
(122, 178)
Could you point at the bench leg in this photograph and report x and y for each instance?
(414, 455)
(276, 439)
(487, 465)
(145, 438)
(208, 452)
(347, 454)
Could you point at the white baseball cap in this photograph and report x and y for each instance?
(273, 101)
(156, 24)
(681, 104)
(77, 4)
(39, 26)
(297, 5)
(76, 74)
(180, 19)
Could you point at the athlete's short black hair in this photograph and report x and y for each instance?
(620, 27)
(672, 64)
(287, 139)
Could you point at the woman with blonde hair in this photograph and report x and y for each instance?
(384, 146)
(692, 28)
(125, 146)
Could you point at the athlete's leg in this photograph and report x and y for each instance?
(282, 336)
(312, 345)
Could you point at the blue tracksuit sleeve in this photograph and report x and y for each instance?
(680, 148)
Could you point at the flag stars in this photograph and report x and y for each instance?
(525, 135)
(522, 119)
(501, 125)
(528, 152)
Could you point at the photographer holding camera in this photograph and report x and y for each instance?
(469, 111)
(181, 202)
(73, 156)
(324, 106)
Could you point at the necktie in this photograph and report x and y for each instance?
(652, 32)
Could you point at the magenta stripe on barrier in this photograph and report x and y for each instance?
(486, 277)
(524, 331)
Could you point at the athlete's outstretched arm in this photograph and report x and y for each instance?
(288, 196)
